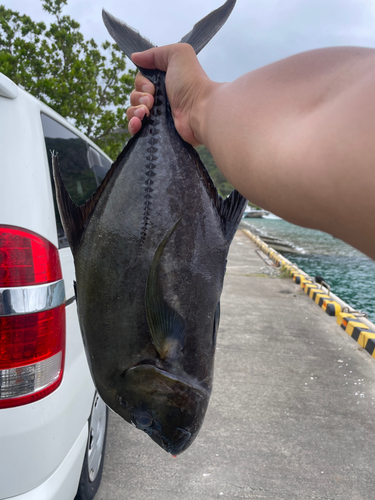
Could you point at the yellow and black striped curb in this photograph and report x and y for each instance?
(359, 331)
(353, 322)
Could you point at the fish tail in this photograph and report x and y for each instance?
(207, 27)
(130, 41)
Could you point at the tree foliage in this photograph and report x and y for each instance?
(222, 185)
(87, 84)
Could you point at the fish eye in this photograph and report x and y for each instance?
(142, 419)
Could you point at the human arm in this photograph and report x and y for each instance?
(296, 137)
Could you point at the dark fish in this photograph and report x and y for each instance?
(150, 250)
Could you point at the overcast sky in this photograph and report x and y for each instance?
(257, 32)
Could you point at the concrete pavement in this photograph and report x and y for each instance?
(292, 411)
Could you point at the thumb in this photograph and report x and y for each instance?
(156, 58)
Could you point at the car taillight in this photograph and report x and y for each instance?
(32, 317)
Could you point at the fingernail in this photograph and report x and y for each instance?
(140, 113)
(145, 100)
(146, 88)
(130, 127)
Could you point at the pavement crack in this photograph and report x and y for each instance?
(252, 488)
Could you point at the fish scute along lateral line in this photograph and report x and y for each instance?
(151, 159)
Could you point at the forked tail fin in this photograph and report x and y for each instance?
(130, 41)
(207, 27)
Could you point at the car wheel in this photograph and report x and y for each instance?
(94, 459)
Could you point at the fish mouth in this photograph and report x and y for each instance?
(168, 407)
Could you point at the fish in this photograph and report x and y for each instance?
(150, 249)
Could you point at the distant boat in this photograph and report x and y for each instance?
(255, 214)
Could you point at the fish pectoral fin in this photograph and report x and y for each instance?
(231, 212)
(167, 331)
(207, 27)
(167, 328)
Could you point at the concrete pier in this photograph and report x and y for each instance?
(291, 415)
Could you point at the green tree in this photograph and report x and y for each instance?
(85, 83)
(222, 185)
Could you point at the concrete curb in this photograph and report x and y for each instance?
(353, 322)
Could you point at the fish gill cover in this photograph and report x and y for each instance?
(150, 249)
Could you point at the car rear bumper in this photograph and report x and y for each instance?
(63, 483)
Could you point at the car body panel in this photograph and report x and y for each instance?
(36, 438)
(56, 487)
(42, 444)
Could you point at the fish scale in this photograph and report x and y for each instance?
(150, 249)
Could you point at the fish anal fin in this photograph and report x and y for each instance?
(167, 328)
(71, 215)
(74, 218)
(207, 27)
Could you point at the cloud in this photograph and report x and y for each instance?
(258, 32)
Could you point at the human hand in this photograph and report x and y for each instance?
(187, 88)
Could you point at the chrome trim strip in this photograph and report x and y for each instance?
(31, 299)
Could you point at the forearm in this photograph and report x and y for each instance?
(298, 138)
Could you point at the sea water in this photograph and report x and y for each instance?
(350, 273)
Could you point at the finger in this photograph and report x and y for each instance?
(159, 57)
(137, 111)
(139, 98)
(135, 125)
(142, 84)
(156, 58)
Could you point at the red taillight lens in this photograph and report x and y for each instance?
(32, 345)
(30, 338)
(26, 258)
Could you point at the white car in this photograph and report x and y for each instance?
(52, 423)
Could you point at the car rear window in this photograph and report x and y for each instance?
(82, 167)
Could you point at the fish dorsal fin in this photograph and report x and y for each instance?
(128, 39)
(231, 209)
(207, 27)
(166, 326)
